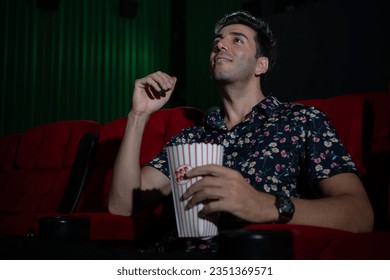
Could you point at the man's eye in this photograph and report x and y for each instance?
(237, 40)
(214, 44)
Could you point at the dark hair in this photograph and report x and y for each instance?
(264, 39)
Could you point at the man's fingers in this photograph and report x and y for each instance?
(209, 173)
(214, 206)
(158, 83)
(197, 187)
(204, 195)
(164, 81)
(206, 170)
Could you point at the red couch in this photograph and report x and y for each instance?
(35, 181)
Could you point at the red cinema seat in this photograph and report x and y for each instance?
(41, 173)
(8, 147)
(161, 126)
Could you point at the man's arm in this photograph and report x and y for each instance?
(344, 204)
(150, 94)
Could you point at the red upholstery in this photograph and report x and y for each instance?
(43, 164)
(308, 241)
(346, 114)
(8, 148)
(381, 105)
(161, 126)
(378, 178)
(34, 168)
(361, 246)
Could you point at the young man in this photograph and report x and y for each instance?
(269, 145)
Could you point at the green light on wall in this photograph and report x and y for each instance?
(77, 62)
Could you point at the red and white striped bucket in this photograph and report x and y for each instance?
(181, 159)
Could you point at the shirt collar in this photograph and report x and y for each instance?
(267, 107)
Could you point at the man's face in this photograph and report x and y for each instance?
(233, 54)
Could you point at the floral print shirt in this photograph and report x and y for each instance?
(276, 147)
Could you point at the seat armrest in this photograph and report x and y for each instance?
(64, 228)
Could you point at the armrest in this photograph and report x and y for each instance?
(247, 244)
(64, 228)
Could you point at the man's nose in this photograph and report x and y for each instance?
(222, 45)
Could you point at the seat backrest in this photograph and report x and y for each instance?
(79, 173)
(348, 116)
(380, 101)
(377, 179)
(42, 167)
(8, 147)
(161, 127)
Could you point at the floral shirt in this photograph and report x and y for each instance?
(276, 147)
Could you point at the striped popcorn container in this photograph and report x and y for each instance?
(181, 159)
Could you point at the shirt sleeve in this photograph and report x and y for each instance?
(325, 154)
(160, 162)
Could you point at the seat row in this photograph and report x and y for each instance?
(57, 174)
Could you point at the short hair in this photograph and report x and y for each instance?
(265, 40)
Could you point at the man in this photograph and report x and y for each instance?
(269, 145)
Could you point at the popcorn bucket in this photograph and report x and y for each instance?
(181, 159)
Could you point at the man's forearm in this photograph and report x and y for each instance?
(126, 174)
(344, 213)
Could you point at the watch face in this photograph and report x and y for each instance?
(285, 207)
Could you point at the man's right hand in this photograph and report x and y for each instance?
(152, 92)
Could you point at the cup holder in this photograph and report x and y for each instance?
(245, 244)
(64, 228)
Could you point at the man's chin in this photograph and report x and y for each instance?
(220, 76)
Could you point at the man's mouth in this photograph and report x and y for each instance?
(222, 58)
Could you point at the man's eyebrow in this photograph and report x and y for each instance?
(235, 33)
(239, 34)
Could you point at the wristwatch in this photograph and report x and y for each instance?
(285, 208)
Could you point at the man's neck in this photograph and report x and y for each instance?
(238, 102)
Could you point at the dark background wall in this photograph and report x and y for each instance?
(325, 48)
(79, 60)
(328, 48)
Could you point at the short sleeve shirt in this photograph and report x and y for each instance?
(276, 145)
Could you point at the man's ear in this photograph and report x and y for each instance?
(261, 65)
